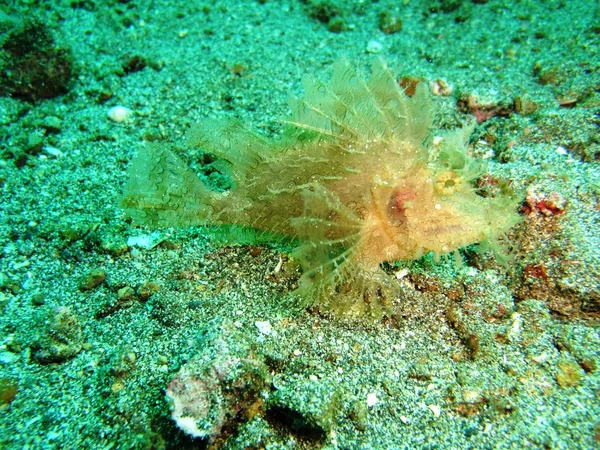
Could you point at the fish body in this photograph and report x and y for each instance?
(356, 177)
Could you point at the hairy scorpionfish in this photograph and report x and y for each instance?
(357, 178)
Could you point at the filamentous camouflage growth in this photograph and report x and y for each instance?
(357, 177)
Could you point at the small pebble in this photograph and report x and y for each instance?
(374, 47)
(8, 357)
(148, 290)
(117, 386)
(125, 294)
(92, 279)
(52, 151)
(119, 114)
(38, 299)
(52, 124)
(441, 88)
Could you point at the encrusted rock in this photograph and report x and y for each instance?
(61, 339)
(220, 388)
(92, 280)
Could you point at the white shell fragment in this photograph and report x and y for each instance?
(263, 327)
(145, 241)
(435, 409)
(372, 399)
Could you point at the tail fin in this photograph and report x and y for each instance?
(163, 191)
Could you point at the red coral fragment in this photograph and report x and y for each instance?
(552, 204)
(482, 112)
(535, 271)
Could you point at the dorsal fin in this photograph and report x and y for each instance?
(350, 108)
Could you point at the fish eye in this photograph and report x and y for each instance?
(448, 183)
